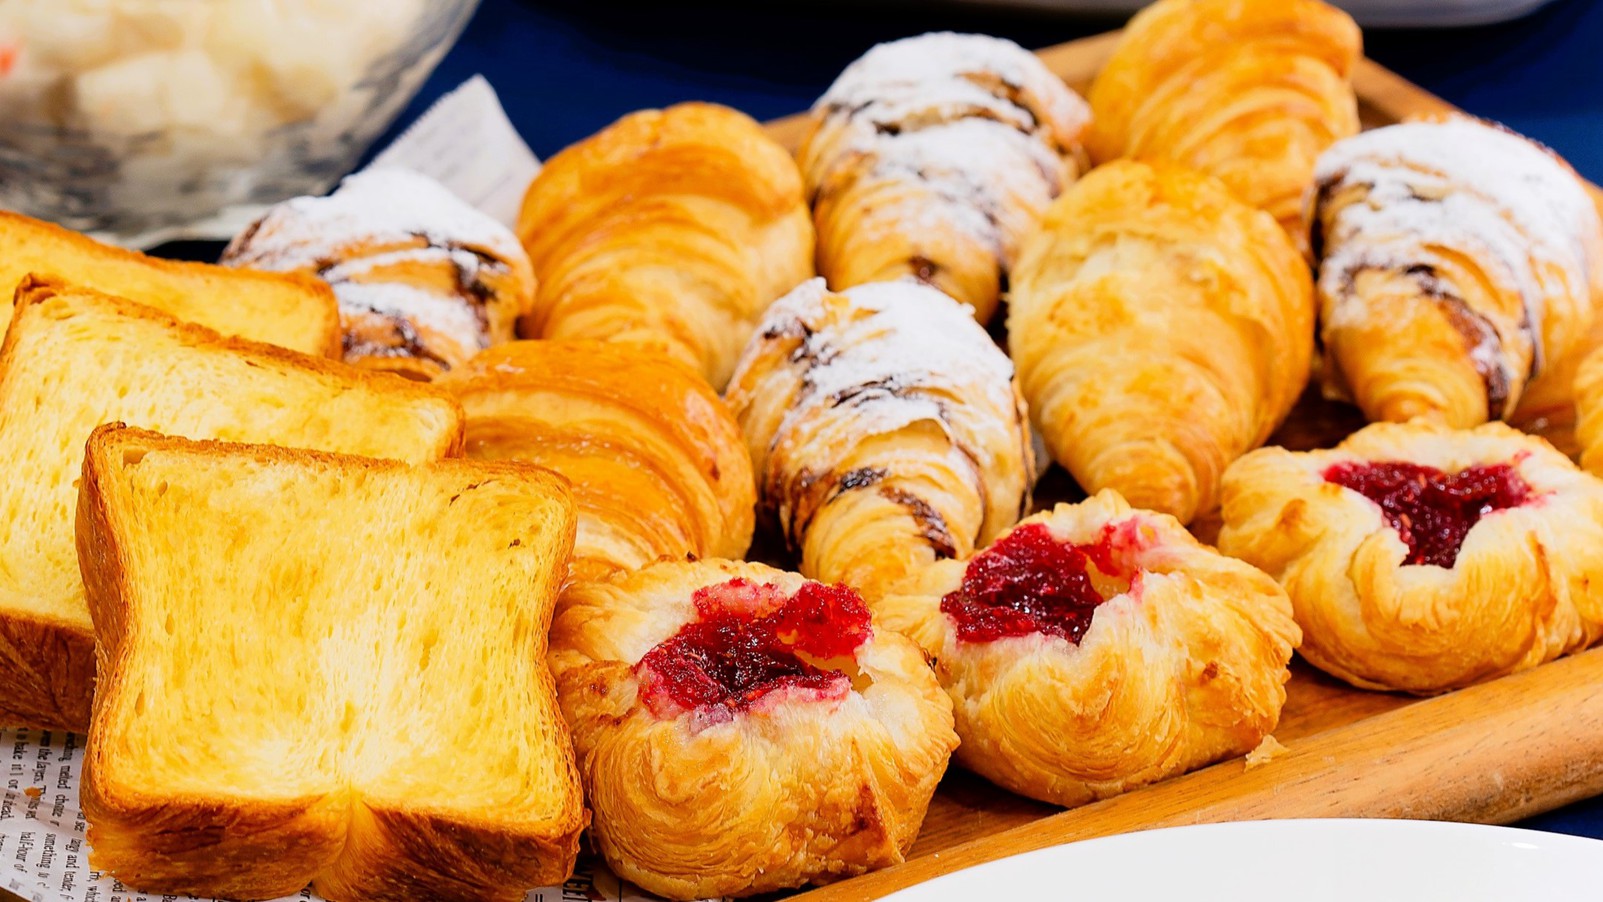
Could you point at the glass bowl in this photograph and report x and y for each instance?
(138, 119)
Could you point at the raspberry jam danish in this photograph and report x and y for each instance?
(741, 729)
(1458, 265)
(1423, 558)
(933, 157)
(886, 429)
(1095, 648)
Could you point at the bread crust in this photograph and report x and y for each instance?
(1526, 585)
(316, 295)
(350, 847)
(1185, 667)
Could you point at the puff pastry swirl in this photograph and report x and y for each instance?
(885, 428)
(1249, 91)
(424, 281)
(933, 157)
(1458, 263)
(658, 466)
(1423, 558)
(1095, 648)
(670, 228)
(740, 729)
(1161, 329)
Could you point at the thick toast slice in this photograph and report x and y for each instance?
(340, 679)
(292, 311)
(74, 359)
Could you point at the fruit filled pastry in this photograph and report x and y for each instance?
(886, 430)
(742, 729)
(1161, 329)
(424, 281)
(670, 228)
(1249, 91)
(932, 157)
(1423, 558)
(658, 466)
(1095, 648)
(1589, 411)
(1457, 263)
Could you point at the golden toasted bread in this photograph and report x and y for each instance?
(74, 359)
(292, 311)
(324, 669)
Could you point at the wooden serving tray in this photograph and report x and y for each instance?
(1493, 753)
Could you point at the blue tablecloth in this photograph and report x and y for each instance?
(565, 69)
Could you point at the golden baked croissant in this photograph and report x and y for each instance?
(886, 430)
(1161, 329)
(424, 281)
(1424, 558)
(1095, 648)
(1457, 261)
(1249, 91)
(1589, 411)
(670, 228)
(740, 729)
(658, 465)
(933, 157)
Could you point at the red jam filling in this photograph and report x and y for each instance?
(1432, 511)
(750, 639)
(1032, 582)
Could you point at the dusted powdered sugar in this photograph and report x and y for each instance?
(380, 206)
(948, 71)
(906, 353)
(378, 220)
(1460, 186)
(980, 121)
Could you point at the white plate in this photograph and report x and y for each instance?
(1304, 860)
(1369, 13)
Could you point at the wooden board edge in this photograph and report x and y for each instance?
(1485, 754)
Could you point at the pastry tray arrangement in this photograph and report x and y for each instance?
(1493, 753)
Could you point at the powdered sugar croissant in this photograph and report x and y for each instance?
(1249, 91)
(1458, 264)
(424, 281)
(658, 466)
(672, 229)
(885, 428)
(1161, 329)
(932, 157)
(740, 729)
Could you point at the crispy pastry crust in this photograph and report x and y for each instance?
(1161, 329)
(1187, 667)
(1458, 265)
(670, 228)
(658, 465)
(886, 429)
(1527, 585)
(1249, 91)
(933, 157)
(787, 792)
